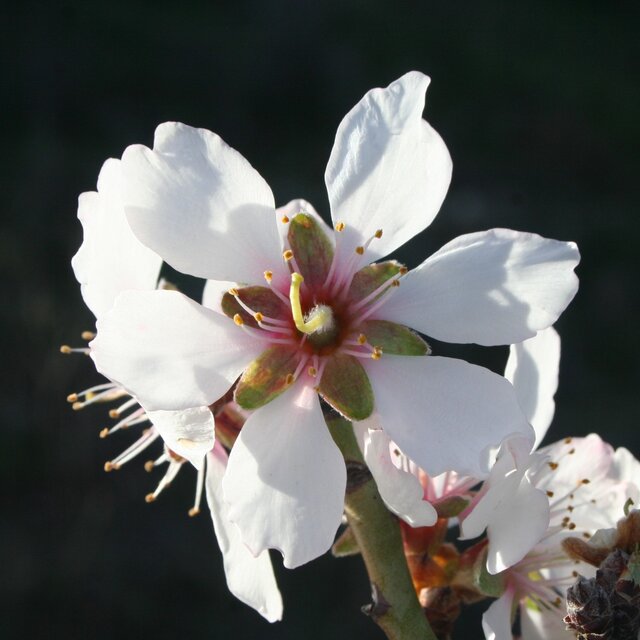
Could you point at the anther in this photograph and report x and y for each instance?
(285, 219)
(234, 292)
(553, 465)
(378, 234)
(148, 466)
(340, 226)
(376, 354)
(550, 494)
(359, 250)
(268, 276)
(72, 397)
(104, 433)
(65, 348)
(289, 379)
(194, 511)
(149, 498)
(362, 339)
(76, 406)
(258, 317)
(403, 270)
(87, 335)
(567, 440)
(109, 466)
(585, 481)
(312, 371)
(113, 413)
(395, 283)
(237, 318)
(287, 254)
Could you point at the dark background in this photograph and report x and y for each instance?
(539, 107)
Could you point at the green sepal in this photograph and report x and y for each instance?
(490, 585)
(346, 545)
(260, 299)
(451, 507)
(371, 277)
(311, 248)
(346, 387)
(394, 339)
(266, 377)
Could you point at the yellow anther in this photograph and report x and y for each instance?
(149, 498)
(376, 354)
(194, 511)
(359, 250)
(312, 371)
(285, 219)
(87, 335)
(287, 255)
(109, 466)
(104, 433)
(378, 234)
(362, 339)
(113, 413)
(553, 465)
(148, 466)
(238, 319)
(268, 276)
(72, 397)
(321, 316)
(403, 270)
(76, 406)
(395, 283)
(65, 348)
(340, 226)
(568, 440)
(289, 379)
(234, 292)
(258, 317)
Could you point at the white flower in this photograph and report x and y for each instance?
(533, 500)
(112, 260)
(327, 320)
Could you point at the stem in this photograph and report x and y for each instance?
(395, 608)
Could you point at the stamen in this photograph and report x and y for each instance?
(117, 412)
(258, 316)
(285, 220)
(137, 417)
(149, 436)
(172, 472)
(268, 276)
(382, 300)
(237, 318)
(195, 510)
(66, 349)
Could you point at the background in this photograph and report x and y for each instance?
(539, 107)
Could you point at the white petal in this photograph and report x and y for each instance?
(111, 259)
(401, 491)
(200, 205)
(213, 292)
(388, 168)
(496, 621)
(543, 624)
(625, 466)
(249, 578)
(286, 479)
(493, 287)
(190, 432)
(170, 352)
(445, 414)
(532, 368)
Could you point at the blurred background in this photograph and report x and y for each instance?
(539, 107)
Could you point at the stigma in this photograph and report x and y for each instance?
(318, 320)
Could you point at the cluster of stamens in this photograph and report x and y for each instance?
(304, 328)
(109, 392)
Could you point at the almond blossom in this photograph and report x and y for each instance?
(112, 260)
(535, 499)
(310, 314)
